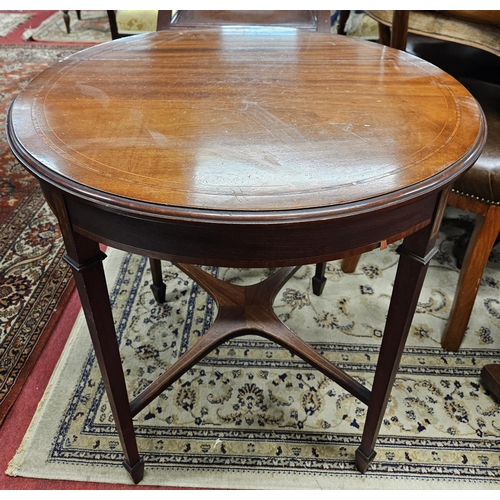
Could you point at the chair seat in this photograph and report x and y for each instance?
(482, 181)
(445, 26)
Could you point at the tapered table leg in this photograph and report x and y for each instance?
(85, 258)
(415, 255)
(91, 285)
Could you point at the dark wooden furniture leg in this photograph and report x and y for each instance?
(483, 238)
(66, 20)
(164, 20)
(319, 280)
(85, 258)
(399, 34)
(415, 253)
(343, 17)
(490, 378)
(384, 34)
(348, 266)
(113, 27)
(158, 287)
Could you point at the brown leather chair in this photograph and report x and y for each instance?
(456, 51)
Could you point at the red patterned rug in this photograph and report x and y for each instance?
(48, 27)
(34, 281)
(92, 27)
(14, 23)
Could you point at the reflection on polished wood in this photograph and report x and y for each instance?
(245, 148)
(193, 139)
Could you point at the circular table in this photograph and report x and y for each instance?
(245, 148)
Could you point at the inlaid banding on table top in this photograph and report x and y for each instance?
(205, 126)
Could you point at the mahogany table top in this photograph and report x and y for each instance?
(252, 123)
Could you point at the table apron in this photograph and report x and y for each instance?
(260, 244)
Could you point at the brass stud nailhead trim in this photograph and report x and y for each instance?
(489, 202)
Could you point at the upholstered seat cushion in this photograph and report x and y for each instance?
(482, 35)
(482, 181)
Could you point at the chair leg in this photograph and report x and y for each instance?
(66, 21)
(319, 280)
(113, 26)
(349, 264)
(490, 378)
(158, 287)
(384, 33)
(343, 17)
(480, 245)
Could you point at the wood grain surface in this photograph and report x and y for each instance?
(255, 122)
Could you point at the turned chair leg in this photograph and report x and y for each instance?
(66, 21)
(480, 245)
(343, 17)
(158, 287)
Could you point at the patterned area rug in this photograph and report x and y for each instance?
(34, 282)
(9, 21)
(93, 27)
(251, 415)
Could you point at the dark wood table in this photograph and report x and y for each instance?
(245, 148)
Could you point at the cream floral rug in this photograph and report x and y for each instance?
(93, 27)
(252, 415)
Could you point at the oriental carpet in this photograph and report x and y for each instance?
(34, 282)
(251, 415)
(91, 28)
